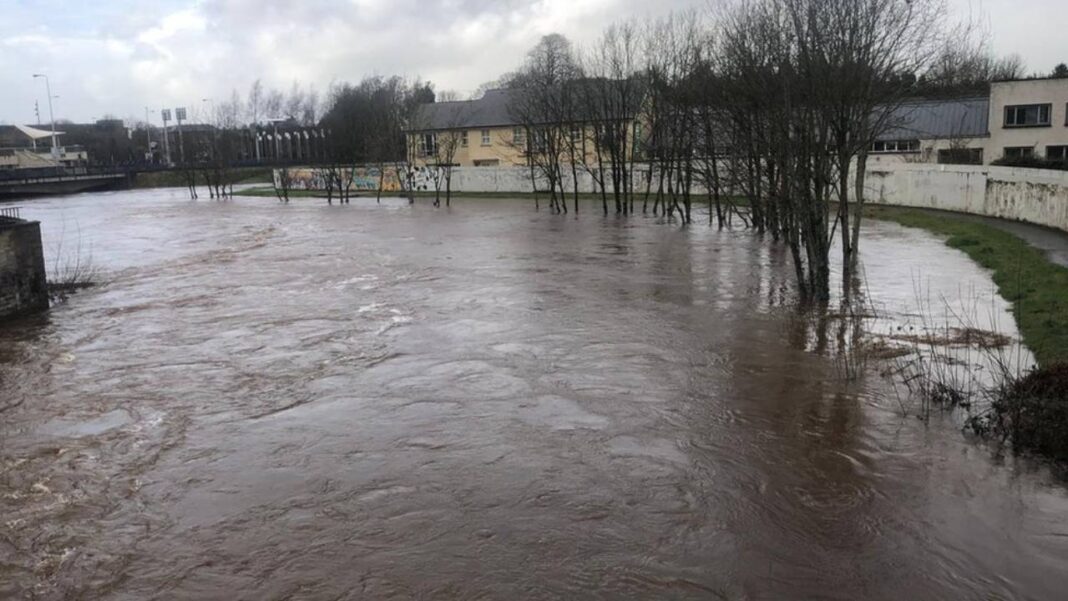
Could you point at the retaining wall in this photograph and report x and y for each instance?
(1037, 196)
(23, 286)
(1034, 195)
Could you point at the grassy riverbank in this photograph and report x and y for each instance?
(175, 179)
(1036, 287)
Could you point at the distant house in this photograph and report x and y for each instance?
(1029, 118)
(488, 133)
(1020, 119)
(929, 131)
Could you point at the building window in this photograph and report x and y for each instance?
(895, 146)
(576, 133)
(518, 137)
(540, 141)
(488, 163)
(960, 156)
(1019, 152)
(429, 144)
(1027, 115)
(463, 139)
(1057, 153)
(485, 137)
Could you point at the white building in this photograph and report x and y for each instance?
(1022, 118)
(1029, 118)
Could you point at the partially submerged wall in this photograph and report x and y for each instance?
(23, 286)
(1034, 195)
(497, 180)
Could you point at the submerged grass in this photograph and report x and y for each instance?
(1036, 287)
(700, 201)
(175, 179)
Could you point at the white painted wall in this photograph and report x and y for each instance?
(1033, 195)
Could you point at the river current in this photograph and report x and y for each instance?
(303, 401)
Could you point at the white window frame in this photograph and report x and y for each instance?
(895, 147)
(1016, 115)
(485, 133)
(431, 149)
(1018, 152)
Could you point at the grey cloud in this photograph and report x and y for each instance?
(101, 65)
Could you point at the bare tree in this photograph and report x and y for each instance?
(447, 141)
(811, 84)
(283, 183)
(539, 102)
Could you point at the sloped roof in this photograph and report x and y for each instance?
(929, 119)
(34, 133)
(495, 108)
(489, 111)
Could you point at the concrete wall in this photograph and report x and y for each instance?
(1033, 195)
(23, 287)
(504, 180)
(517, 179)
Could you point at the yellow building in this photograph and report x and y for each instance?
(478, 133)
(484, 133)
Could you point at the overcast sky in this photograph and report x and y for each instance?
(118, 56)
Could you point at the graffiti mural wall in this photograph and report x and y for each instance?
(358, 178)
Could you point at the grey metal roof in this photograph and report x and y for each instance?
(929, 119)
(489, 111)
(497, 107)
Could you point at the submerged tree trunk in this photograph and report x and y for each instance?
(862, 168)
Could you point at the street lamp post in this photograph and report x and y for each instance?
(214, 128)
(51, 115)
(166, 115)
(149, 155)
(179, 116)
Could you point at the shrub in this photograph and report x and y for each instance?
(1031, 412)
(1032, 163)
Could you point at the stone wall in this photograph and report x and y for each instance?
(1033, 195)
(23, 287)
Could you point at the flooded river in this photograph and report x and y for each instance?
(482, 402)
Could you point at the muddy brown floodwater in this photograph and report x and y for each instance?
(484, 402)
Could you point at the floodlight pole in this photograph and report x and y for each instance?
(51, 115)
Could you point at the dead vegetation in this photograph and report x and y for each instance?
(72, 268)
(1030, 413)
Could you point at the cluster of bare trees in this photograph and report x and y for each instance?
(773, 101)
(208, 155)
(358, 124)
(365, 124)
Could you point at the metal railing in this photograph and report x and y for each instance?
(49, 173)
(9, 217)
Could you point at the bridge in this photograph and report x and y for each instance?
(59, 180)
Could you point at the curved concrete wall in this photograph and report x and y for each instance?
(1034, 195)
